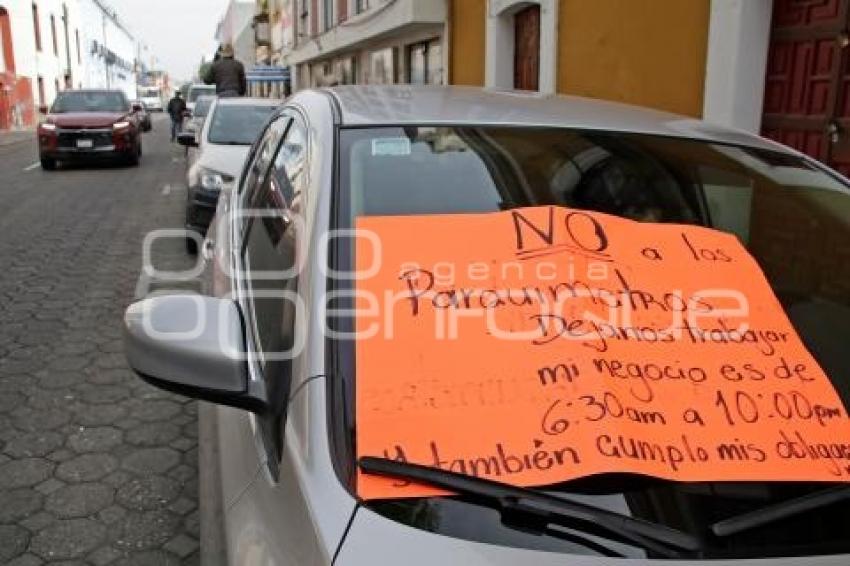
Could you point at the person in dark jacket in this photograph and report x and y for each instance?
(176, 109)
(227, 74)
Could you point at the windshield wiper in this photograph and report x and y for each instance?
(780, 511)
(538, 510)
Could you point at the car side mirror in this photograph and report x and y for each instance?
(192, 345)
(187, 139)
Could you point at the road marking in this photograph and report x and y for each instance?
(33, 166)
(166, 190)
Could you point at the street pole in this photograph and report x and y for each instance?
(69, 78)
(105, 49)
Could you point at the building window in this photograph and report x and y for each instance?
(79, 54)
(425, 63)
(327, 14)
(361, 6)
(348, 69)
(53, 34)
(303, 18)
(416, 63)
(5, 28)
(41, 96)
(382, 68)
(36, 26)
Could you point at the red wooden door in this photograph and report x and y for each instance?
(807, 77)
(527, 48)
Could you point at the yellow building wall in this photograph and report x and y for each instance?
(645, 52)
(466, 60)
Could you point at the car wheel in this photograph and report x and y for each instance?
(191, 246)
(48, 164)
(134, 158)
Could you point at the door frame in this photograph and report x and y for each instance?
(736, 63)
(500, 39)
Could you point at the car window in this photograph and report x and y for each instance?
(237, 124)
(261, 158)
(269, 261)
(791, 215)
(82, 101)
(197, 91)
(289, 171)
(269, 258)
(202, 107)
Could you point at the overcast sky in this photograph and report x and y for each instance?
(178, 32)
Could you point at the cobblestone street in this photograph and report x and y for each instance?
(96, 467)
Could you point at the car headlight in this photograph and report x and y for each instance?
(120, 125)
(48, 127)
(213, 180)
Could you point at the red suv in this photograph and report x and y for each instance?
(90, 123)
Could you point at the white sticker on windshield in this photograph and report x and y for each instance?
(391, 147)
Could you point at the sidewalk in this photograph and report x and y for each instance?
(12, 137)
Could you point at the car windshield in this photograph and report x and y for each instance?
(202, 107)
(81, 101)
(238, 124)
(793, 218)
(148, 92)
(198, 91)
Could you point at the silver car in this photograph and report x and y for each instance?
(278, 465)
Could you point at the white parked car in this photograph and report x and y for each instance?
(195, 92)
(221, 146)
(151, 97)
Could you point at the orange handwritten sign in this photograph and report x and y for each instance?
(545, 344)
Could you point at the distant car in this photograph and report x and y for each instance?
(90, 123)
(195, 92)
(152, 98)
(144, 115)
(231, 127)
(195, 123)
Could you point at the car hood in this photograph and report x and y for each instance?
(226, 159)
(415, 547)
(85, 119)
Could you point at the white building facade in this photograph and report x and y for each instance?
(326, 42)
(109, 50)
(41, 55)
(235, 28)
(47, 46)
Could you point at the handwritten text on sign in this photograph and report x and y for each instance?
(545, 344)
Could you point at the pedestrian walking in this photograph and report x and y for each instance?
(226, 73)
(176, 109)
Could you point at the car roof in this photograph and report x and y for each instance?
(374, 105)
(245, 101)
(92, 91)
